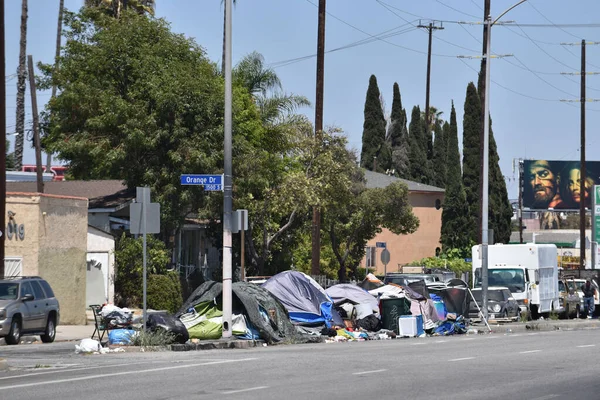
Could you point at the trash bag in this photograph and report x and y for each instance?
(88, 346)
(369, 323)
(121, 336)
(168, 323)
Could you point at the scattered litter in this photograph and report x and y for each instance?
(88, 346)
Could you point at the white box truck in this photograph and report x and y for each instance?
(529, 271)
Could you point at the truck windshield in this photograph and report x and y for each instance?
(513, 279)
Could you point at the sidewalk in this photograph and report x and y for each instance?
(67, 333)
(540, 325)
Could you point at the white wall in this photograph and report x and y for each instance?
(101, 242)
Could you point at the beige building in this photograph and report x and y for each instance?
(46, 235)
(427, 202)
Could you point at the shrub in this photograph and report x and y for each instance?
(164, 292)
(129, 267)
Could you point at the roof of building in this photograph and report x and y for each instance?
(101, 193)
(378, 180)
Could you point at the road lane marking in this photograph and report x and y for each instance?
(440, 341)
(466, 339)
(80, 367)
(587, 345)
(529, 351)
(462, 359)
(246, 390)
(547, 397)
(369, 372)
(142, 371)
(417, 344)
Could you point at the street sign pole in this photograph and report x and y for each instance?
(595, 225)
(144, 313)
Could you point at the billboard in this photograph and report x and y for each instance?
(555, 185)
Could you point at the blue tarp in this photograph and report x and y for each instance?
(305, 300)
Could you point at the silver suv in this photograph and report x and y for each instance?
(27, 307)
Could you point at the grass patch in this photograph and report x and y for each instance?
(157, 338)
(553, 315)
(41, 366)
(524, 316)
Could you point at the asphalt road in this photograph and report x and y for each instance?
(535, 366)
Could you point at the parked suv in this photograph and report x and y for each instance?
(27, 307)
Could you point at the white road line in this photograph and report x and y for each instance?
(587, 345)
(467, 339)
(462, 359)
(440, 341)
(142, 371)
(369, 372)
(529, 351)
(547, 397)
(417, 344)
(246, 390)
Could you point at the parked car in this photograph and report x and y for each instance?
(403, 279)
(576, 284)
(571, 300)
(27, 307)
(501, 303)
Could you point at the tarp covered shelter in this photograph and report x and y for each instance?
(305, 300)
(370, 282)
(455, 294)
(261, 310)
(344, 292)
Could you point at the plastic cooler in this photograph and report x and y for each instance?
(410, 325)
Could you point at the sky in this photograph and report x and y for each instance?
(529, 119)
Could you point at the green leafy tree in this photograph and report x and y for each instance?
(419, 167)
(398, 134)
(139, 103)
(360, 214)
(500, 210)
(373, 138)
(471, 157)
(455, 214)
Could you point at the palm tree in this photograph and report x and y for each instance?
(21, 78)
(264, 86)
(61, 9)
(224, 38)
(115, 7)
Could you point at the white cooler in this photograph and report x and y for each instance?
(407, 325)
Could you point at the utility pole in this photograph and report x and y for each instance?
(482, 86)
(521, 182)
(582, 169)
(316, 221)
(430, 28)
(36, 127)
(227, 177)
(61, 9)
(2, 143)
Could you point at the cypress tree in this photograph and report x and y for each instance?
(419, 167)
(373, 138)
(471, 160)
(396, 118)
(500, 211)
(398, 134)
(439, 155)
(455, 215)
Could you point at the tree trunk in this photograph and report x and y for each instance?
(21, 78)
(61, 9)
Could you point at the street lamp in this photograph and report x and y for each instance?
(485, 161)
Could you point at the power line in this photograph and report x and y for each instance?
(547, 19)
(542, 79)
(509, 89)
(544, 51)
(457, 10)
(385, 41)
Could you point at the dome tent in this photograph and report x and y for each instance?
(305, 300)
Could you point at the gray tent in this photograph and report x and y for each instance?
(344, 292)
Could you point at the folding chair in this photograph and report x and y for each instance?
(101, 326)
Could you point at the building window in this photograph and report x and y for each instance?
(371, 257)
(438, 204)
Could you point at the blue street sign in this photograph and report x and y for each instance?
(381, 245)
(209, 182)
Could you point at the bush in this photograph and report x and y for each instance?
(164, 292)
(129, 267)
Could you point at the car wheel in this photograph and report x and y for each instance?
(50, 334)
(14, 336)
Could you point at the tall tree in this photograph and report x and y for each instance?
(115, 7)
(398, 136)
(373, 138)
(61, 9)
(455, 214)
(21, 78)
(419, 167)
(439, 154)
(471, 160)
(500, 211)
(429, 128)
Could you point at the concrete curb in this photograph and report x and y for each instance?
(543, 325)
(206, 345)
